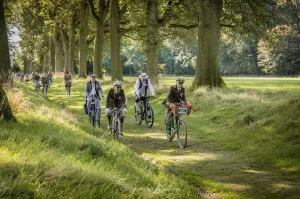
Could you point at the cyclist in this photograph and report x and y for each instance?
(68, 82)
(36, 79)
(142, 85)
(93, 90)
(45, 83)
(115, 99)
(176, 95)
(50, 76)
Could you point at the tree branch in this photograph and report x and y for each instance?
(92, 7)
(133, 28)
(123, 11)
(169, 11)
(187, 27)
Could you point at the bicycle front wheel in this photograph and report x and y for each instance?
(182, 134)
(117, 129)
(149, 117)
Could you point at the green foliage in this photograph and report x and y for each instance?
(278, 54)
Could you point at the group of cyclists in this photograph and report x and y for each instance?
(46, 80)
(116, 99)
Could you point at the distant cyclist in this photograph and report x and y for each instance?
(68, 83)
(93, 91)
(45, 83)
(142, 85)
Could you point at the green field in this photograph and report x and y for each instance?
(244, 142)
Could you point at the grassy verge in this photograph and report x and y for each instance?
(50, 153)
(243, 140)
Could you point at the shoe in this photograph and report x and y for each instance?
(169, 136)
(97, 124)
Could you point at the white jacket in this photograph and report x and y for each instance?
(141, 91)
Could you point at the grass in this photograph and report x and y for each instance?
(51, 153)
(244, 139)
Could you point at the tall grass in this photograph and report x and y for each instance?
(51, 153)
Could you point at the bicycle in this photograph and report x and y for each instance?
(68, 89)
(116, 126)
(93, 113)
(180, 130)
(45, 89)
(37, 86)
(146, 113)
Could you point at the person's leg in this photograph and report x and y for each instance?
(98, 111)
(89, 106)
(169, 121)
(122, 121)
(138, 107)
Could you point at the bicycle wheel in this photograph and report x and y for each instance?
(149, 116)
(138, 119)
(117, 129)
(93, 114)
(182, 134)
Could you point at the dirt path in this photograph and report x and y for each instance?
(214, 172)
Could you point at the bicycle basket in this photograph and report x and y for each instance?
(181, 109)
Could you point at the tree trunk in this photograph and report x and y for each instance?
(26, 65)
(99, 38)
(84, 15)
(5, 109)
(4, 49)
(65, 40)
(58, 49)
(98, 49)
(115, 43)
(72, 44)
(207, 68)
(51, 61)
(152, 40)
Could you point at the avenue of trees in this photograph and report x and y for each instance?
(201, 38)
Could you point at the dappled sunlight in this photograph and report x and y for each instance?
(237, 187)
(190, 158)
(282, 186)
(256, 172)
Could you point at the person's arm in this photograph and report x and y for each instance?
(108, 99)
(101, 90)
(150, 87)
(169, 99)
(184, 98)
(137, 85)
(86, 89)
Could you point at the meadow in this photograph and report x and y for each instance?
(244, 142)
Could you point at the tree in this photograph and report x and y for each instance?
(5, 109)
(207, 70)
(99, 19)
(115, 38)
(84, 19)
